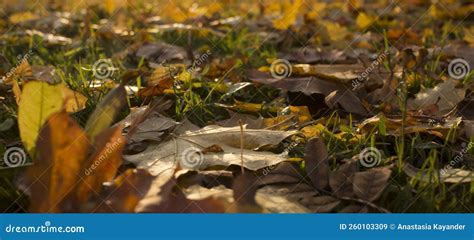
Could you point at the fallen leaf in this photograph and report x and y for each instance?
(160, 53)
(445, 95)
(54, 173)
(316, 163)
(289, 15)
(106, 111)
(347, 101)
(186, 148)
(39, 100)
(341, 180)
(125, 192)
(370, 184)
(103, 164)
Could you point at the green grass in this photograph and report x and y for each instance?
(73, 64)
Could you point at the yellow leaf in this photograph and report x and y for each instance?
(469, 35)
(335, 31)
(302, 112)
(363, 21)
(73, 101)
(109, 6)
(289, 15)
(22, 17)
(38, 101)
(317, 11)
(248, 107)
(313, 130)
(16, 91)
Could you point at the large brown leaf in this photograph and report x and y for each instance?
(124, 193)
(316, 163)
(370, 184)
(103, 164)
(62, 150)
(341, 181)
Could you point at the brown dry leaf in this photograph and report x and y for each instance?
(251, 121)
(445, 95)
(124, 193)
(370, 184)
(413, 124)
(347, 101)
(310, 55)
(23, 70)
(306, 85)
(58, 163)
(280, 174)
(341, 180)
(160, 53)
(103, 164)
(158, 83)
(321, 204)
(276, 199)
(316, 163)
(245, 187)
(186, 149)
(355, 208)
(171, 199)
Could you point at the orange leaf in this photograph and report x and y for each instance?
(102, 166)
(61, 150)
